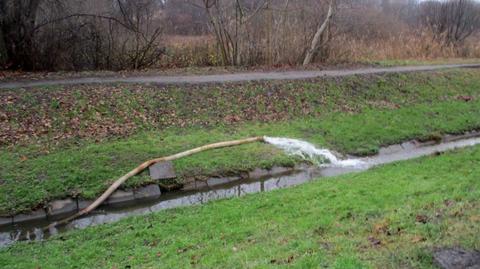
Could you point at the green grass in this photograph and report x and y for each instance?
(54, 116)
(76, 141)
(365, 220)
(88, 169)
(401, 62)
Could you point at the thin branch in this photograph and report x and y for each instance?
(85, 15)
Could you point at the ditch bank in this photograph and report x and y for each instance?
(156, 197)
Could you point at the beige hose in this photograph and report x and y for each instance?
(144, 166)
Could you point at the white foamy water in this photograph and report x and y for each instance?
(308, 151)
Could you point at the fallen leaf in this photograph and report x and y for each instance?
(458, 213)
(465, 98)
(448, 203)
(381, 228)
(421, 219)
(194, 259)
(418, 239)
(182, 250)
(374, 241)
(475, 218)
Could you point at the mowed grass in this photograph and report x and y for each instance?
(413, 62)
(88, 170)
(389, 217)
(76, 141)
(52, 117)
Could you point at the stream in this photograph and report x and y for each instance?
(327, 164)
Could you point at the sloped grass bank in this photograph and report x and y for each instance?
(58, 142)
(54, 116)
(30, 178)
(389, 217)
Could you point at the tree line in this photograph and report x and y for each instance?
(135, 34)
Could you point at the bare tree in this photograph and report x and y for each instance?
(228, 22)
(133, 34)
(3, 48)
(17, 28)
(137, 17)
(315, 44)
(451, 21)
(108, 34)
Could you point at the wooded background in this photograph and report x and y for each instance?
(137, 34)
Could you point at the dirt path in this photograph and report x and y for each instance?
(239, 77)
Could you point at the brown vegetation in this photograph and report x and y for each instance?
(119, 34)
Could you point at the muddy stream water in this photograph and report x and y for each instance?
(327, 164)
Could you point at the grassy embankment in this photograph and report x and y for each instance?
(413, 62)
(389, 217)
(75, 141)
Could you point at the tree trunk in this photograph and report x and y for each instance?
(18, 29)
(316, 39)
(3, 49)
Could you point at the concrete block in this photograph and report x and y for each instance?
(121, 198)
(449, 138)
(36, 215)
(390, 149)
(82, 204)
(217, 181)
(278, 170)
(258, 173)
(150, 192)
(163, 170)
(61, 208)
(250, 188)
(194, 185)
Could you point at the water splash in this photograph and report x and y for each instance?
(323, 157)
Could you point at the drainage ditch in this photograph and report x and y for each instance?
(148, 199)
